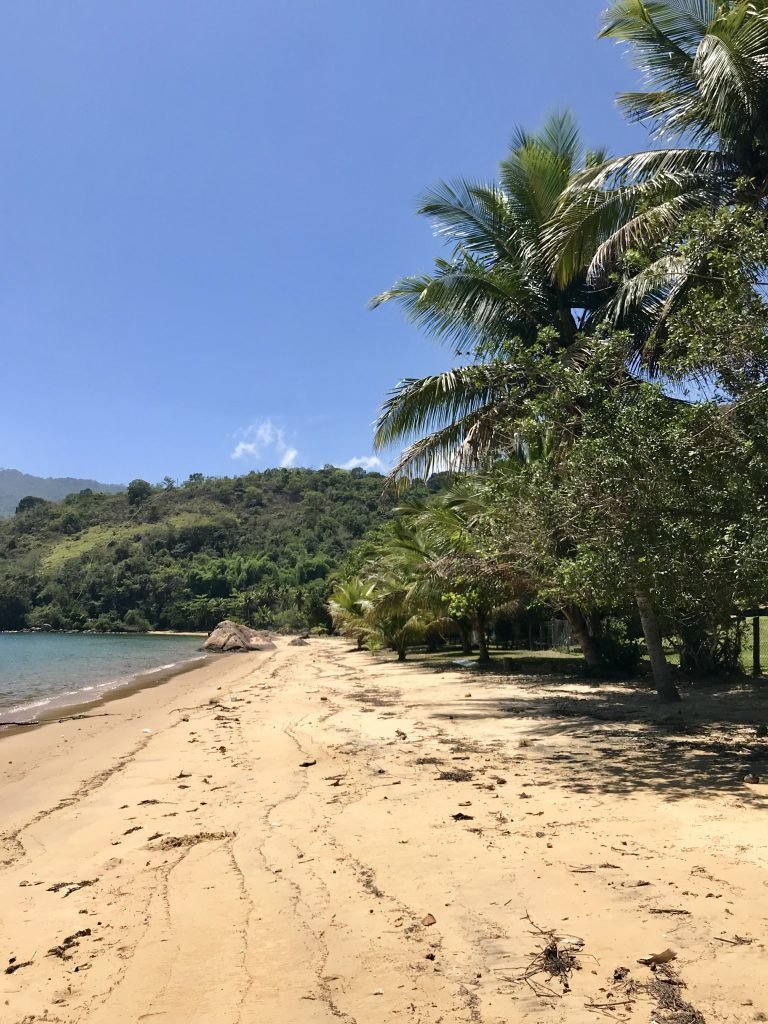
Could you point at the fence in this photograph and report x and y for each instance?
(547, 635)
(754, 653)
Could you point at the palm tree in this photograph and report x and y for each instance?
(470, 582)
(395, 618)
(706, 101)
(492, 298)
(349, 603)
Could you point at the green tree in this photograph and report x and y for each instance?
(138, 492)
(29, 503)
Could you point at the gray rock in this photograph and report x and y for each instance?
(231, 636)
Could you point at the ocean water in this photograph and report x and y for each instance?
(40, 672)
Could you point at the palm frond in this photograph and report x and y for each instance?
(471, 215)
(419, 405)
(468, 304)
(650, 192)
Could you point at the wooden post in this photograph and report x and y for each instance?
(756, 668)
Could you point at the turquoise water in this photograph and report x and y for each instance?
(41, 671)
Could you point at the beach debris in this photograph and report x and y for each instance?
(558, 958)
(456, 775)
(71, 886)
(183, 775)
(147, 732)
(620, 973)
(63, 949)
(669, 910)
(14, 966)
(737, 940)
(400, 734)
(307, 764)
(178, 842)
(665, 988)
(428, 920)
(657, 959)
(752, 778)
(134, 828)
(460, 816)
(157, 835)
(146, 803)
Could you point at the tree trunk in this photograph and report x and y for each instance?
(466, 637)
(484, 655)
(401, 650)
(590, 646)
(359, 643)
(662, 676)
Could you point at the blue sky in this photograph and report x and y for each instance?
(198, 200)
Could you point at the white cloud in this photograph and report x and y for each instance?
(366, 462)
(289, 457)
(264, 440)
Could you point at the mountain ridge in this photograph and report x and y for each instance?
(15, 485)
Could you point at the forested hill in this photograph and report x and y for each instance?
(258, 548)
(15, 485)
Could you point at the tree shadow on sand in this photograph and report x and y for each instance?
(615, 737)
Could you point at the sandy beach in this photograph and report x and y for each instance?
(315, 835)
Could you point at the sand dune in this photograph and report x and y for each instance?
(267, 839)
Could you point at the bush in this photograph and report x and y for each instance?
(135, 622)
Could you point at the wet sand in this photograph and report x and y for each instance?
(315, 835)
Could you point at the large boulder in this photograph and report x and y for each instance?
(231, 636)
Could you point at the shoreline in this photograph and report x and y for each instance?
(93, 632)
(59, 712)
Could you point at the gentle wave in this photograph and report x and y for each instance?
(43, 672)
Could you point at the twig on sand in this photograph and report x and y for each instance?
(12, 968)
(37, 721)
(737, 940)
(610, 1006)
(558, 959)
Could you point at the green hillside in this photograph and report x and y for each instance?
(259, 548)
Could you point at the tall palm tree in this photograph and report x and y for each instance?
(492, 297)
(706, 102)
